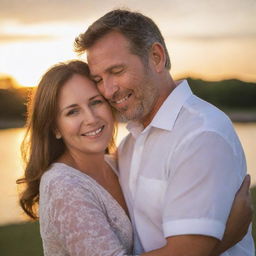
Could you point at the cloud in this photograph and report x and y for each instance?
(40, 11)
(66, 10)
(173, 16)
(18, 37)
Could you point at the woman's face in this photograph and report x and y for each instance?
(84, 121)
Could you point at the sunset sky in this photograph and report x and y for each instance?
(207, 39)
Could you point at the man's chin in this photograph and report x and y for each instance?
(126, 114)
(120, 117)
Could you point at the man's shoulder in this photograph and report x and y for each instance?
(198, 116)
(125, 142)
(202, 106)
(206, 114)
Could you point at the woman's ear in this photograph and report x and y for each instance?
(158, 57)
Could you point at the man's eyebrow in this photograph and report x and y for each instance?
(114, 66)
(108, 69)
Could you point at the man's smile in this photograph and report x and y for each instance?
(123, 99)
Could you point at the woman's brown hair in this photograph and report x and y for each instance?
(40, 148)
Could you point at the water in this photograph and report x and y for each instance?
(11, 166)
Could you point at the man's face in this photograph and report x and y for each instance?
(123, 79)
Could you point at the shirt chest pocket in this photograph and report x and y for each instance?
(149, 198)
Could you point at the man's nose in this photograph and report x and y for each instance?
(110, 87)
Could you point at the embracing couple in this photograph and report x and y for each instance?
(177, 183)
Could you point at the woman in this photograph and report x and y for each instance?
(81, 207)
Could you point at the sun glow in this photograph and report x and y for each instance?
(33, 49)
(32, 59)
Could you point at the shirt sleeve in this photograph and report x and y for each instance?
(80, 221)
(204, 177)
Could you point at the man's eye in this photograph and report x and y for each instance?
(117, 70)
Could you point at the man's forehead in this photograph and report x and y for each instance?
(104, 59)
(109, 43)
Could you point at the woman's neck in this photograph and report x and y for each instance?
(91, 164)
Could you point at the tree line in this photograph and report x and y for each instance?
(228, 95)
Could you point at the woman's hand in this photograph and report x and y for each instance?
(239, 218)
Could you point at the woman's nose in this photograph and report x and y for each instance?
(90, 116)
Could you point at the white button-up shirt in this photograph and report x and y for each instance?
(180, 174)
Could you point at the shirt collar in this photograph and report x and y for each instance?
(167, 114)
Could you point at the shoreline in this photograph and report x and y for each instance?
(11, 123)
(242, 117)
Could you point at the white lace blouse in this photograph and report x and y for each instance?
(79, 217)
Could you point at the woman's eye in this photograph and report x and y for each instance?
(72, 112)
(96, 102)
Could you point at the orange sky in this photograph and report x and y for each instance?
(206, 39)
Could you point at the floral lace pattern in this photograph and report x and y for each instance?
(79, 217)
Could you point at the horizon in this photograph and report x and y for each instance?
(12, 83)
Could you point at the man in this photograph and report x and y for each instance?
(182, 163)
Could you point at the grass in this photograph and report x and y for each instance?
(20, 240)
(24, 239)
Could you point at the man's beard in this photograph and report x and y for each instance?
(138, 111)
(125, 116)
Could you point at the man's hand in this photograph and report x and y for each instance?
(239, 218)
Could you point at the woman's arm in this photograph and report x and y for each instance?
(239, 219)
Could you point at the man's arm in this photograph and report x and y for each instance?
(237, 226)
(186, 245)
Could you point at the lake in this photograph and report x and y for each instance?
(11, 165)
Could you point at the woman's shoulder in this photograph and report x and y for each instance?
(63, 175)
(65, 184)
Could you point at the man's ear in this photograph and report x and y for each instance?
(158, 57)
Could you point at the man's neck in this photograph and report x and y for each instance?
(165, 91)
